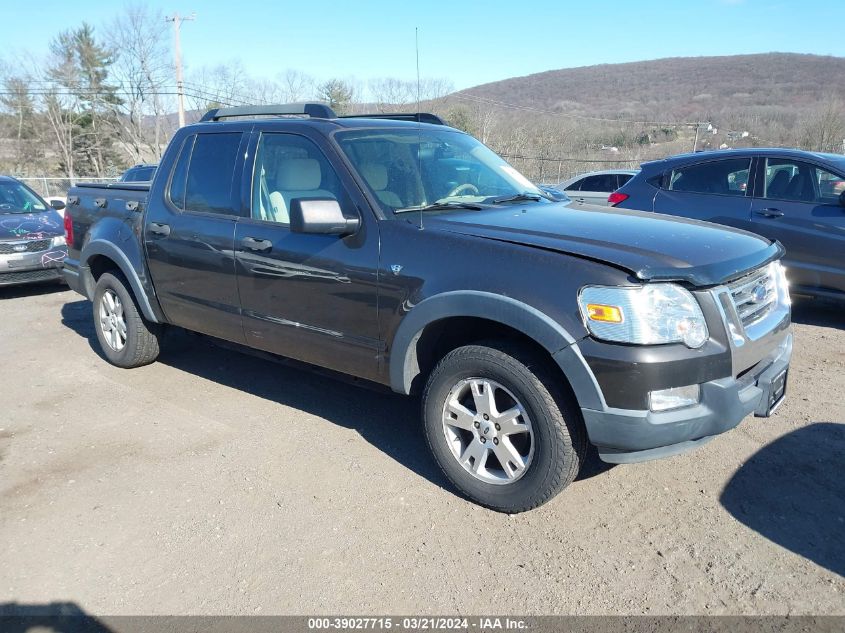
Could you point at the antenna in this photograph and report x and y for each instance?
(419, 123)
(417, 42)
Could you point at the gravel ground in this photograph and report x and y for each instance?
(216, 483)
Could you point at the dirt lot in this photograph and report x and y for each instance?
(212, 482)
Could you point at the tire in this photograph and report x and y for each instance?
(137, 340)
(550, 445)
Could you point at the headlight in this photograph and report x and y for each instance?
(643, 315)
(59, 240)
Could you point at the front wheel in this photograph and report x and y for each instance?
(500, 426)
(126, 337)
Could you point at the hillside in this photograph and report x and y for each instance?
(678, 89)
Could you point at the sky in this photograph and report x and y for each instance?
(468, 42)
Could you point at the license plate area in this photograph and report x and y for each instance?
(777, 392)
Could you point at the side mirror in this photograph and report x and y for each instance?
(842, 199)
(320, 215)
(58, 205)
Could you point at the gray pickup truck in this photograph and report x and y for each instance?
(396, 249)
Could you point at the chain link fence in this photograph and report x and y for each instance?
(51, 187)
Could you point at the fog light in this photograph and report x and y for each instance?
(674, 398)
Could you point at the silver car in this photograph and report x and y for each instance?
(32, 236)
(594, 187)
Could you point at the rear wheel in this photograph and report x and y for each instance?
(126, 338)
(500, 426)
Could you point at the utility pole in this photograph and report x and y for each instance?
(177, 60)
(697, 129)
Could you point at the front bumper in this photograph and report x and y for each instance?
(32, 267)
(627, 436)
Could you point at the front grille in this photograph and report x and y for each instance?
(27, 276)
(30, 246)
(754, 296)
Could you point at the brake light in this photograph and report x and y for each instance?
(616, 197)
(68, 229)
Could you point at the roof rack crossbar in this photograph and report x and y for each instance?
(313, 110)
(419, 117)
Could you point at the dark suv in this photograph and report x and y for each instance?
(406, 253)
(795, 197)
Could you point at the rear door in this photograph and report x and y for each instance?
(713, 190)
(189, 233)
(307, 296)
(798, 204)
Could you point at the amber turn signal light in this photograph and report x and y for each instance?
(607, 314)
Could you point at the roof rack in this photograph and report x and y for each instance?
(419, 117)
(313, 110)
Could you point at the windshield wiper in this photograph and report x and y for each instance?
(519, 197)
(441, 206)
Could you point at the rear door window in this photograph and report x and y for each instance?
(209, 183)
(727, 177)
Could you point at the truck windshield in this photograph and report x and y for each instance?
(16, 198)
(432, 169)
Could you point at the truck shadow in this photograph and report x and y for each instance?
(792, 492)
(388, 421)
(55, 617)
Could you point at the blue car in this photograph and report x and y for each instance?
(792, 196)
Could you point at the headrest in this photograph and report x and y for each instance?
(298, 174)
(375, 174)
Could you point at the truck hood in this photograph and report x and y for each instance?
(650, 246)
(31, 226)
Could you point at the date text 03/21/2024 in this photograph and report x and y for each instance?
(417, 623)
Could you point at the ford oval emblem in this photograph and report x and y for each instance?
(759, 293)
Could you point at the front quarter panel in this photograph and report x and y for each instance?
(427, 274)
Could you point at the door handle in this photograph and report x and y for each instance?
(157, 228)
(770, 213)
(253, 244)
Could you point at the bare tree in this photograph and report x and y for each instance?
(435, 88)
(295, 85)
(390, 93)
(17, 99)
(142, 70)
(824, 128)
(223, 85)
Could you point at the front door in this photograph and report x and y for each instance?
(189, 233)
(799, 206)
(306, 296)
